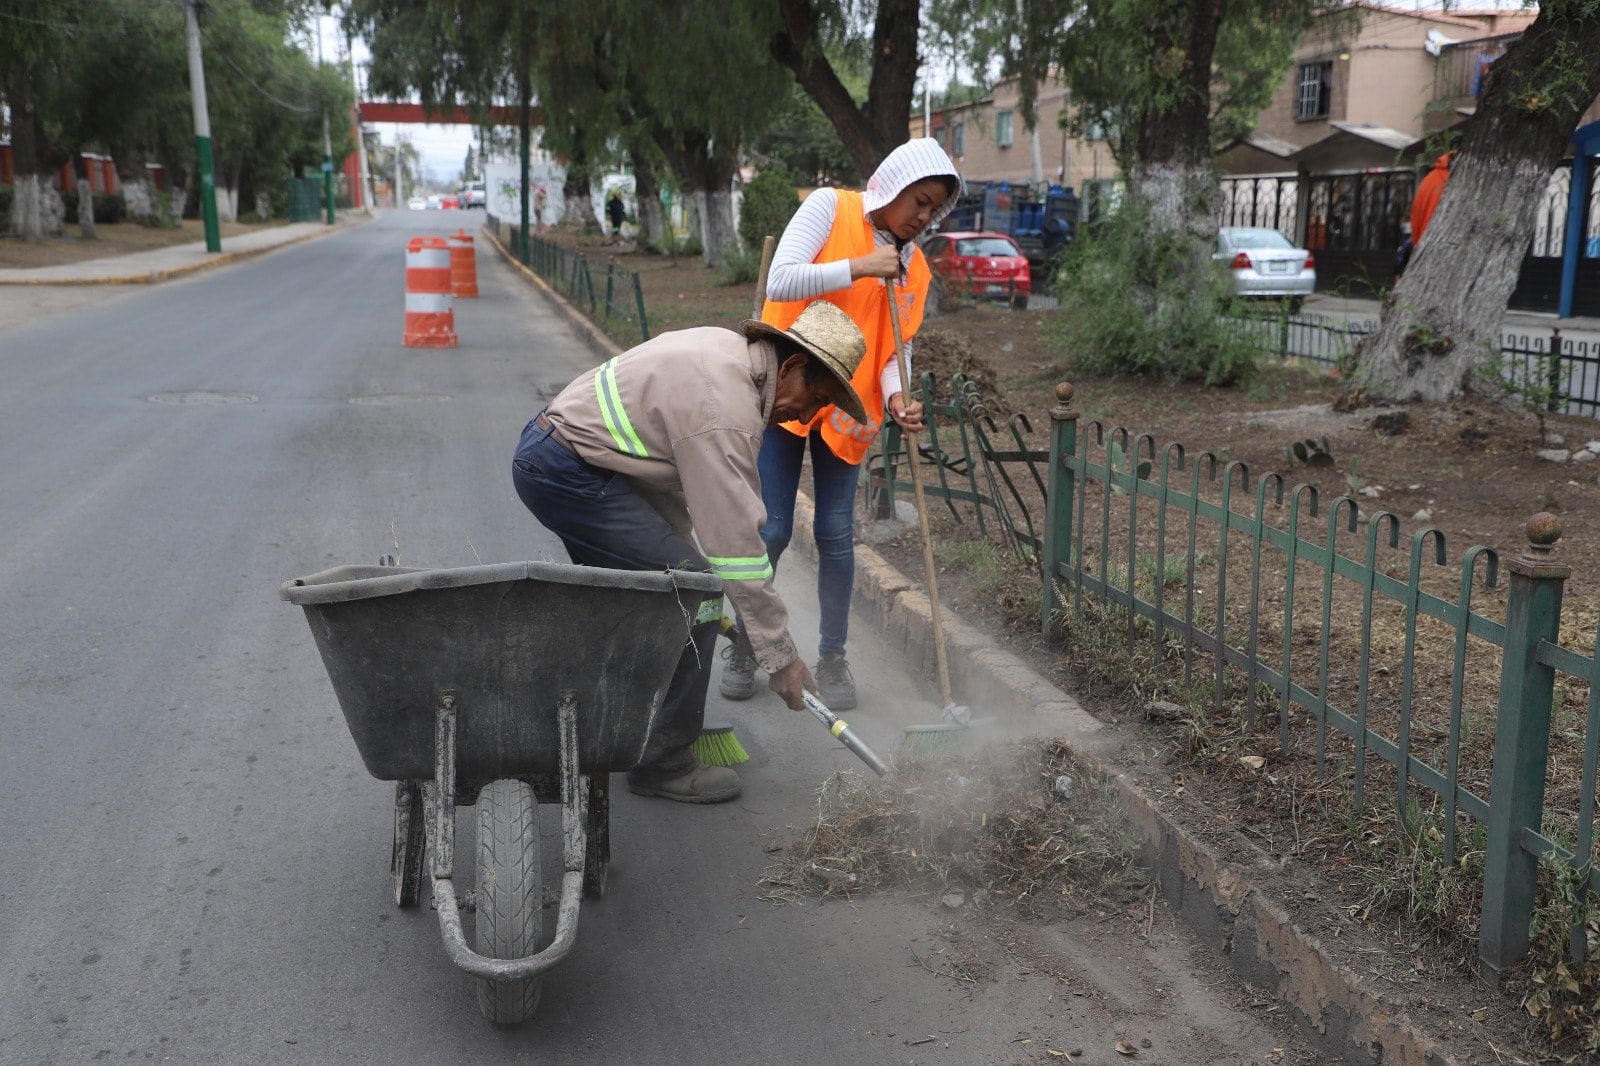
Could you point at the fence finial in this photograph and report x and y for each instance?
(1064, 391)
(1544, 529)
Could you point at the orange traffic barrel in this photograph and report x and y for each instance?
(463, 265)
(430, 319)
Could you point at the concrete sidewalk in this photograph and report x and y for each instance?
(160, 264)
(1350, 307)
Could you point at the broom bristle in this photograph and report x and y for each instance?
(925, 741)
(719, 747)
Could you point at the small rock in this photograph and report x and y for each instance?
(1064, 786)
(1007, 346)
(1163, 711)
(1423, 515)
(1255, 762)
(1554, 438)
(1592, 446)
(1390, 423)
(953, 900)
(1554, 455)
(1372, 492)
(1583, 457)
(1145, 1042)
(1413, 488)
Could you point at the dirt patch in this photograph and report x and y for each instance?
(945, 354)
(122, 238)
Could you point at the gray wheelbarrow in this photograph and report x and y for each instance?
(505, 686)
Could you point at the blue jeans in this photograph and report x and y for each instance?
(834, 490)
(604, 521)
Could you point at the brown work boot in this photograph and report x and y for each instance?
(698, 784)
(835, 687)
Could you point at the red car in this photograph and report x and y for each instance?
(450, 203)
(988, 265)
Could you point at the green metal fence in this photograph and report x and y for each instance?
(612, 296)
(1121, 479)
(303, 199)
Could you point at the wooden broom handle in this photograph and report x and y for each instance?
(915, 458)
(769, 245)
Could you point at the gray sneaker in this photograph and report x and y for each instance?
(699, 784)
(834, 683)
(738, 672)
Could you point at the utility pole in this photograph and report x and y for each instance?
(399, 175)
(327, 143)
(361, 142)
(202, 129)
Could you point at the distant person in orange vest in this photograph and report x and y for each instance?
(538, 209)
(839, 247)
(1427, 198)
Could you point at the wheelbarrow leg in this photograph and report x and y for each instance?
(410, 844)
(597, 861)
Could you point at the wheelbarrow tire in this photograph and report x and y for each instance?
(410, 844)
(509, 895)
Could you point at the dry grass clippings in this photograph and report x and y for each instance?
(998, 829)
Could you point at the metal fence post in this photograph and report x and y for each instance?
(1553, 374)
(1060, 489)
(638, 299)
(1521, 747)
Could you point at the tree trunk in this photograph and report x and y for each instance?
(647, 194)
(27, 219)
(1443, 321)
(86, 210)
(869, 132)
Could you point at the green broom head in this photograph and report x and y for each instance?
(717, 746)
(944, 739)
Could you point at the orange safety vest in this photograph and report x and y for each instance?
(867, 304)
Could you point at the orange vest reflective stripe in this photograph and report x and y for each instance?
(867, 304)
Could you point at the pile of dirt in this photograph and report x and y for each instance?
(1023, 825)
(945, 354)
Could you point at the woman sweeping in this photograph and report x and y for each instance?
(839, 247)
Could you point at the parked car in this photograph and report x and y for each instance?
(987, 265)
(474, 195)
(435, 201)
(450, 202)
(1263, 263)
(417, 203)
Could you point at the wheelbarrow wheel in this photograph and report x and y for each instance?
(597, 845)
(509, 896)
(410, 844)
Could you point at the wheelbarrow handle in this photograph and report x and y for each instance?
(838, 727)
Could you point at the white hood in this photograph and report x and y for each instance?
(907, 165)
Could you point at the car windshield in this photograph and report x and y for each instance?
(1257, 238)
(986, 246)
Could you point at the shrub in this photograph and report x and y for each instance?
(740, 266)
(108, 207)
(1130, 304)
(769, 203)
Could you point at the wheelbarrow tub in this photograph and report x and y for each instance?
(506, 639)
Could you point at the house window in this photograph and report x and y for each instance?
(1315, 91)
(958, 139)
(1002, 129)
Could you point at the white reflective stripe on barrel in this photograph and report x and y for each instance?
(427, 303)
(429, 258)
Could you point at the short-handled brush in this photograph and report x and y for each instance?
(958, 729)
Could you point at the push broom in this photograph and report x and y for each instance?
(957, 730)
(717, 745)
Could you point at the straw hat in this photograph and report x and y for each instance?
(826, 333)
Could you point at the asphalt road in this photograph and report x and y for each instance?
(195, 862)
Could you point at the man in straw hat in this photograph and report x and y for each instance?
(661, 441)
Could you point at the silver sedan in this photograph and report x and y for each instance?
(1262, 262)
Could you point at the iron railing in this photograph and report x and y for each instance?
(1240, 641)
(613, 297)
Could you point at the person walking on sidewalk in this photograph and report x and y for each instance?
(838, 249)
(661, 442)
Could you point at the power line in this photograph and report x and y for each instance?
(248, 81)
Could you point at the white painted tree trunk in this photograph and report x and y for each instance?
(25, 216)
(86, 210)
(719, 233)
(139, 195)
(1180, 201)
(1443, 322)
(653, 221)
(694, 213)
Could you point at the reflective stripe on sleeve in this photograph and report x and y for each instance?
(611, 409)
(740, 568)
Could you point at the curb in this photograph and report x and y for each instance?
(592, 336)
(1218, 900)
(154, 277)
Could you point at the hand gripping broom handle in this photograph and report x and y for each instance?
(914, 457)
